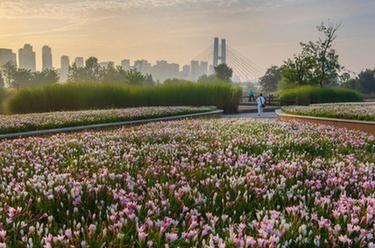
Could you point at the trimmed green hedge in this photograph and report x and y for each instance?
(306, 95)
(83, 96)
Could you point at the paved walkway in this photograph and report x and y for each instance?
(268, 115)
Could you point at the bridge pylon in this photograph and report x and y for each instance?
(220, 52)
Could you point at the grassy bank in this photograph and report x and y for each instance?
(43, 121)
(306, 95)
(80, 96)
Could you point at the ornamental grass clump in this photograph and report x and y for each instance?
(85, 96)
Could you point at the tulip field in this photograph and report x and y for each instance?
(190, 183)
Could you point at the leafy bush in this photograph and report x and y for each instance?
(83, 96)
(306, 95)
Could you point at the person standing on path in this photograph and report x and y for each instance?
(261, 104)
(250, 94)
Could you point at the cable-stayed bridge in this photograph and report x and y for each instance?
(244, 69)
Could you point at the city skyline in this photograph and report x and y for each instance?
(267, 32)
(160, 70)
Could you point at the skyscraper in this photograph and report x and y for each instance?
(125, 64)
(194, 69)
(46, 58)
(142, 66)
(79, 62)
(26, 58)
(185, 73)
(7, 55)
(216, 52)
(203, 68)
(64, 70)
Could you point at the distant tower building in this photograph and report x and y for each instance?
(185, 73)
(46, 58)
(7, 55)
(194, 70)
(79, 62)
(125, 64)
(223, 55)
(211, 70)
(216, 52)
(26, 58)
(64, 71)
(203, 68)
(142, 66)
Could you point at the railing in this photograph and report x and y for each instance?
(271, 100)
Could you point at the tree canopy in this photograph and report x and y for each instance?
(316, 64)
(270, 80)
(16, 78)
(223, 72)
(93, 72)
(364, 82)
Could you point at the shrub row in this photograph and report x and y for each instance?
(84, 96)
(306, 95)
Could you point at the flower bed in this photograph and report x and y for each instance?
(190, 183)
(43, 121)
(350, 111)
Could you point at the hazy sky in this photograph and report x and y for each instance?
(266, 31)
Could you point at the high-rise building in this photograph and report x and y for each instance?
(185, 72)
(125, 64)
(142, 66)
(194, 70)
(7, 55)
(211, 70)
(203, 68)
(79, 62)
(64, 70)
(46, 58)
(26, 58)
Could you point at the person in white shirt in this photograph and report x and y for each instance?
(261, 103)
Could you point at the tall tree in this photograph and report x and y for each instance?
(135, 77)
(47, 76)
(223, 72)
(322, 51)
(92, 72)
(270, 79)
(9, 70)
(366, 81)
(297, 71)
(317, 63)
